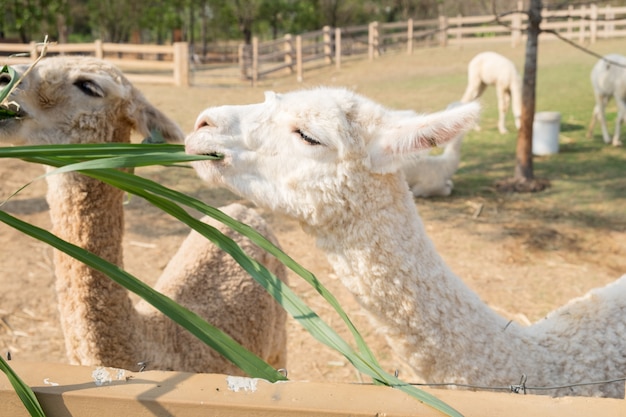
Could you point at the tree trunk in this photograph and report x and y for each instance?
(524, 179)
(523, 155)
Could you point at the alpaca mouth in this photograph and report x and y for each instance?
(214, 155)
(11, 110)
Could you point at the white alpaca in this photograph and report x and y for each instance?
(85, 100)
(608, 79)
(330, 159)
(431, 175)
(490, 68)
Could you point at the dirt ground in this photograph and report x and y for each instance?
(521, 262)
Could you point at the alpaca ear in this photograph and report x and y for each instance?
(411, 133)
(150, 122)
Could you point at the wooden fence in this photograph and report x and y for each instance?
(293, 54)
(159, 64)
(585, 24)
(70, 391)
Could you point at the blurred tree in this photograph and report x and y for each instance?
(29, 19)
(160, 19)
(275, 13)
(246, 12)
(113, 20)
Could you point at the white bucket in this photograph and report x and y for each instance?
(546, 127)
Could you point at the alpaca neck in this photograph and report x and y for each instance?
(97, 315)
(380, 250)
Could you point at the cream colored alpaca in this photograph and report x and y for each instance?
(431, 175)
(80, 100)
(608, 78)
(330, 159)
(490, 68)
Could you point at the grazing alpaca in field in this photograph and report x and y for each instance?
(84, 100)
(330, 159)
(431, 175)
(490, 68)
(608, 78)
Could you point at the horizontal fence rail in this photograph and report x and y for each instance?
(293, 54)
(158, 64)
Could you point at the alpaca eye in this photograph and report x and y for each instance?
(308, 139)
(90, 88)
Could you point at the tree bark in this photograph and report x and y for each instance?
(523, 154)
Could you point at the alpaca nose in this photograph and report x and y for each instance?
(204, 121)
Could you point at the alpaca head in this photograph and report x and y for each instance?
(303, 152)
(66, 100)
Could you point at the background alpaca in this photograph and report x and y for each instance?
(80, 100)
(491, 68)
(334, 159)
(431, 175)
(608, 79)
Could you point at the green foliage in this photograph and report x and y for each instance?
(211, 20)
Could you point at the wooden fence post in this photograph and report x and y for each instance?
(409, 36)
(609, 24)
(299, 58)
(34, 53)
(289, 53)
(242, 57)
(372, 43)
(328, 50)
(338, 48)
(583, 24)
(593, 27)
(181, 64)
(98, 49)
(255, 60)
(443, 31)
(459, 35)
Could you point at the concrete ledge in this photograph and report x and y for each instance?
(80, 391)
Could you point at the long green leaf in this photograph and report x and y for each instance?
(158, 154)
(23, 390)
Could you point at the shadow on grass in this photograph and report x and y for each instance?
(571, 127)
(588, 181)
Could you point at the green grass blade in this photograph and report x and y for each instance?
(110, 155)
(218, 340)
(89, 150)
(22, 390)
